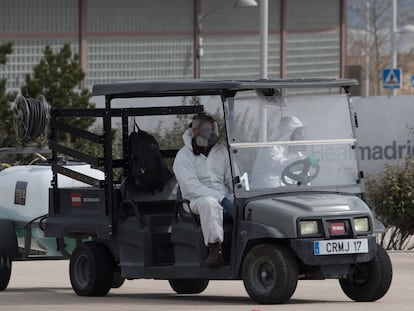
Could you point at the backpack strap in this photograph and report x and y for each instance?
(135, 127)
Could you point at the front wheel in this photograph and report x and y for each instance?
(5, 272)
(91, 269)
(369, 281)
(270, 274)
(188, 286)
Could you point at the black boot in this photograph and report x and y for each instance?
(215, 256)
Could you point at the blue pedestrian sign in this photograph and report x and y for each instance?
(412, 81)
(391, 78)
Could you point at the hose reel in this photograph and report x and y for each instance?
(31, 119)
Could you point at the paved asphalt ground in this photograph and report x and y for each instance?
(45, 285)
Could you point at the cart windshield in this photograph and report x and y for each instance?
(291, 143)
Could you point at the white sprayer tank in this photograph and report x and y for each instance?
(24, 199)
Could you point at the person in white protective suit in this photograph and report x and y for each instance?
(202, 169)
(270, 161)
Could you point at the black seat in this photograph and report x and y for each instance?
(148, 208)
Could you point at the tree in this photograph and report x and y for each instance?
(172, 137)
(6, 114)
(377, 43)
(56, 77)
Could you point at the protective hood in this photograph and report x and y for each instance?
(287, 127)
(188, 138)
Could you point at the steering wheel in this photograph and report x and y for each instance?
(300, 172)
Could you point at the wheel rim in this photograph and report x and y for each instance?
(82, 270)
(265, 274)
(361, 275)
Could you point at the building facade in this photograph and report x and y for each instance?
(151, 39)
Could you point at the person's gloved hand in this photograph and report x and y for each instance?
(227, 205)
(313, 161)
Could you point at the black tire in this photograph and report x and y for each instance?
(5, 272)
(91, 269)
(370, 281)
(188, 286)
(117, 280)
(270, 274)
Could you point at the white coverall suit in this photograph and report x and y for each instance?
(267, 168)
(205, 181)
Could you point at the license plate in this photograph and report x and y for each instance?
(338, 247)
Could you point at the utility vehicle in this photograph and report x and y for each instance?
(304, 220)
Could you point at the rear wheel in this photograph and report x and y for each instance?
(5, 272)
(91, 269)
(270, 274)
(188, 286)
(117, 280)
(369, 281)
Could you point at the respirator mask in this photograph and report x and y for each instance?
(205, 133)
(298, 134)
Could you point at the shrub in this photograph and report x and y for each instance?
(391, 194)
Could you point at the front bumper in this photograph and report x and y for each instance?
(304, 249)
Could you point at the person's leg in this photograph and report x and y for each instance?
(211, 220)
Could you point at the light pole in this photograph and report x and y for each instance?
(264, 33)
(200, 17)
(394, 32)
(394, 52)
(393, 61)
(367, 47)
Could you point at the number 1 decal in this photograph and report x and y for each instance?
(244, 179)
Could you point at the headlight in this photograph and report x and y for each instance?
(361, 224)
(308, 227)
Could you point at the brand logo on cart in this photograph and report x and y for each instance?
(90, 200)
(75, 199)
(337, 228)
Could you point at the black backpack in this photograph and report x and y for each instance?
(147, 169)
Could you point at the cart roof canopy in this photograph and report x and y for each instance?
(198, 87)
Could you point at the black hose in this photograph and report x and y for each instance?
(31, 118)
